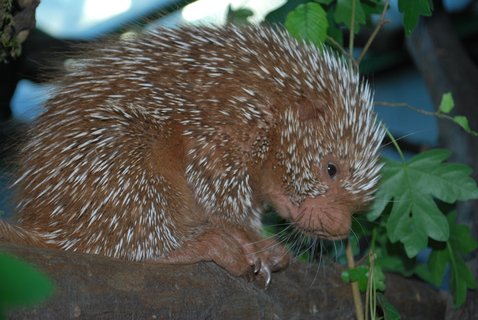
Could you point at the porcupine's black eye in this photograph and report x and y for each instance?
(331, 170)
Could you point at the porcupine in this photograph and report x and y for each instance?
(167, 148)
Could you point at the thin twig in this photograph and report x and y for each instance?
(374, 34)
(371, 303)
(416, 109)
(337, 45)
(355, 288)
(405, 105)
(352, 34)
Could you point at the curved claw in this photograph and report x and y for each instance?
(240, 251)
(257, 265)
(265, 272)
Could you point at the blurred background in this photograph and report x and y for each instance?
(390, 66)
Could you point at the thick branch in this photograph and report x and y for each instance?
(94, 287)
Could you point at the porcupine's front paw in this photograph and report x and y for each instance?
(241, 252)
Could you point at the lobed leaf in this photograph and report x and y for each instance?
(459, 244)
(388, 309)
(462, 280)
(410, 189)
(412, 10)
(437, 263)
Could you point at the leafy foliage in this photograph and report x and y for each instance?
(446, 106)
(309, 22)
(412, 10)
(451, 255)
(407, 216)
(361, 273)
(411, 187)
(390, 313)
(410, 218)
(344, 11)
(20, 284)
(239, 16)
(332, 17)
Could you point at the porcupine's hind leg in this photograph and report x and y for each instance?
(15, 234)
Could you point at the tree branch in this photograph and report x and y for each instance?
(95, 287)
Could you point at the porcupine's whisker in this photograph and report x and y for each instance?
(305, 243)
(273, 245)
(285, 234)
(319, 261)
(275, 235)
(354, 234)
(310, 245)
(294, 240)
(384, 145)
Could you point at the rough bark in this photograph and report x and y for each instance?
(94, 287)
(446, 67)
(17, 19)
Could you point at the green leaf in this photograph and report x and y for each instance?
(437, 263)
(378, 278)
(388, 309)
(462, 121)
(309, 22)
(447, 104)
(382, 198)
(410, 188)
(280, 14)
(430, 218)
(459, 245)
(239, 16)
(343, 14)
(372, 8)
(462, 240)
(423, 272)
(449, 182)
(334, 31)
(21, 284)
(395, 264)
(385, 192)
(358, 274)
(462, 280)
(325, 2)
(412, 10)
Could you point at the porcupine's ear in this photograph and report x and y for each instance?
(312, 108)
